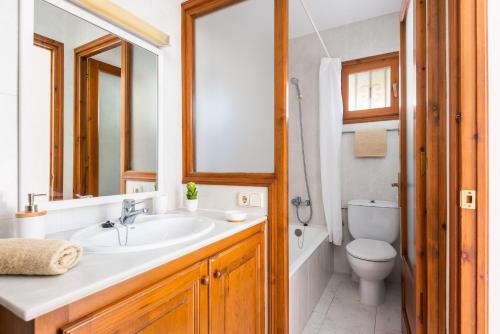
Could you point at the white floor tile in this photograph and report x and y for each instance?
(324, 302)
(314, 324)
(339, 311)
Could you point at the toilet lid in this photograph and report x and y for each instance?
(371, 250)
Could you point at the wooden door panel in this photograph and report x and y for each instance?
(237, 288)
(174, 305)
(238, 282)
(409, 301)
(178, 318)
(413, 157)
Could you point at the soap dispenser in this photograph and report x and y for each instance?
(31, 222)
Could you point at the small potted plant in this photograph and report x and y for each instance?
(191, 197)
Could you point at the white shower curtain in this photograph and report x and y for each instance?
(330, 136)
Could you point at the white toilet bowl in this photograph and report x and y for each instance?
(372, 261)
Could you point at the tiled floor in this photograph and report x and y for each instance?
(339, 311)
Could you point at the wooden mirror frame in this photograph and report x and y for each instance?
(277, 182)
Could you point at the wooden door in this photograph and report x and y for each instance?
(176, 305)
(413, 165)
(95, 68)
(237, 288)
(468, 220)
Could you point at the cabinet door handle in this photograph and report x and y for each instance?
(217, 274)
(205, 280)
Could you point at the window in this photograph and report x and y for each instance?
(370, 88)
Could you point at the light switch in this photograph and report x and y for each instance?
(256, 200)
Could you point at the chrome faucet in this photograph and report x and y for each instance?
(129, 213)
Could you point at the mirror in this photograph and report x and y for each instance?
(95, 107)
(233, 89)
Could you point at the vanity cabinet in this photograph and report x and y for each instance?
(217, 289)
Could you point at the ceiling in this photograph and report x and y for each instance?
(333, 13)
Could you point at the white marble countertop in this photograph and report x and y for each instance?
(32, 296)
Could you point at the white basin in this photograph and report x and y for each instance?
(148, 232)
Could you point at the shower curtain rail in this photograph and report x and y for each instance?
(308, 13)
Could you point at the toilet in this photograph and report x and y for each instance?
(374, 225)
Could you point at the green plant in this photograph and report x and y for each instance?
(192, 192)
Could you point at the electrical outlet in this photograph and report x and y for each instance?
(256, 200)
(243, 199)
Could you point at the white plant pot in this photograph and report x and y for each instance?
(191, 205)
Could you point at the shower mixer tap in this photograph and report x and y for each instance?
(297, 201)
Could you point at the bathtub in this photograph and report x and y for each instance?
(310, 270)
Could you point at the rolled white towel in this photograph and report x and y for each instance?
(37, 257)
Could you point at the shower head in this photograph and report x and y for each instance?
(295, 82)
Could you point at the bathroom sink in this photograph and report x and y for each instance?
(148, 232)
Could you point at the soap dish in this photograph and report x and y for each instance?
(235, 216)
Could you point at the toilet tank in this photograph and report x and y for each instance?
(372, 219)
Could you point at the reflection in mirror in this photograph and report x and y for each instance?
(233, 93)
(95, 99)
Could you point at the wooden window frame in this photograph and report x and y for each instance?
(190, 11)
(277, 182)
(366, 64)
(82, 54)
(56, 49)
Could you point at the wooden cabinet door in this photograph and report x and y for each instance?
(237, 288)
(178, 304)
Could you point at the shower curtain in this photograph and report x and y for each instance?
(330, 136)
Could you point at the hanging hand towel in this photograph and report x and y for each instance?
(37, 257)
(370, 143)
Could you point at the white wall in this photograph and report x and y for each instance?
(41, 117)
(218, 197)
(8, 110)
(361, 178)
(144, 100)
(163, 14)
(494, 141)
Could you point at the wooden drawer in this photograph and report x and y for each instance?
(178, 304)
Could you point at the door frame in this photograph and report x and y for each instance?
(82, 54)
(56, 49)
(468, 78)
(430, 167)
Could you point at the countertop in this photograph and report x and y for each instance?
(32, 296)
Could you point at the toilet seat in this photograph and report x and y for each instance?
(371, 250)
